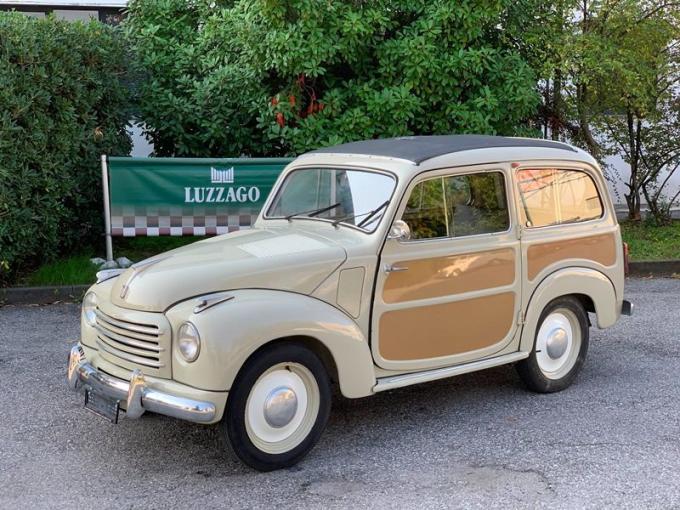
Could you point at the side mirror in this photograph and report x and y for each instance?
(399, 231)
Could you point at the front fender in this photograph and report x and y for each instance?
(233, 330)
(566, 281)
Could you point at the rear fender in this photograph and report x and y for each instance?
(568, 281)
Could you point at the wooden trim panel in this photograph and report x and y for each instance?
(454, 274)
(599, 248)
(446, 329)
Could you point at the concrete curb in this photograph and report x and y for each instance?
(654, 268)
(41, 295)
(46, 295)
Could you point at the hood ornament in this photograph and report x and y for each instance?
(107, 274)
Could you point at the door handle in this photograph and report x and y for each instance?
(394, 269)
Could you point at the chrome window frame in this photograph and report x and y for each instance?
(496, 169)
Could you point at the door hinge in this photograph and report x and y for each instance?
(520, 318)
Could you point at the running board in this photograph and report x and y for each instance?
(398, 381)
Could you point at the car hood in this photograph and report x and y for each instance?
(280, 259)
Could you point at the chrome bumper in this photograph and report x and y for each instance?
(626, 308)
(136, 393)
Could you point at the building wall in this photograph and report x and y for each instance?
(110, 12)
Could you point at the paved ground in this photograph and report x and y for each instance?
(475, 441)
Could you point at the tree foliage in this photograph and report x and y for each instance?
(265, 77)
(62, 104)
(610, 69)
(660, 161)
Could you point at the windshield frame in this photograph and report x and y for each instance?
(275, 193)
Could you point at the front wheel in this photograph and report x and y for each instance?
(560, 347)
(278, 407)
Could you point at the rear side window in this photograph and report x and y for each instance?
(457, 206)
(551, 196)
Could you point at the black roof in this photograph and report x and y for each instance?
(421, 148)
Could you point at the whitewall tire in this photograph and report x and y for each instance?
(560, 347)
(278, 406)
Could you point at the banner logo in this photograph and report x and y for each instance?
(221, 176)
(215, 195)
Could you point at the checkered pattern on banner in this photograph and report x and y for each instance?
(140, 221)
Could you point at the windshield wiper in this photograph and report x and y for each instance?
(369, 214)
(313, 212)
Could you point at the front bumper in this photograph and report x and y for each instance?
(136, 393)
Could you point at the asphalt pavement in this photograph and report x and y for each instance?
(475, 441)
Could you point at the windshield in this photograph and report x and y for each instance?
(354, 197)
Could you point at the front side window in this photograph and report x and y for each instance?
(551, 196)
(354, 197)
(457, 206)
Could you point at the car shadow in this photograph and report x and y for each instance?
(354, 423)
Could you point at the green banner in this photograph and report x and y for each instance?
(150, 195)
(225, 184)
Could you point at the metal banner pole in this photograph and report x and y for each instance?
(107, 208)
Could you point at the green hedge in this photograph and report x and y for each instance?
(63, 102)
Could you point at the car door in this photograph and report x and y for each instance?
(451, 293)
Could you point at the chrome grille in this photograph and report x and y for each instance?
(132, 342)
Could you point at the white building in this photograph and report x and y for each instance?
(106, 11)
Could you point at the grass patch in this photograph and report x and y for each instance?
(647, 242)
(140, 248)
(78, 270)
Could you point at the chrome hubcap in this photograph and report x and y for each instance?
(556, 343)
(280, 407)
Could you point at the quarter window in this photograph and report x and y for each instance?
(551, 196)
(458, 205)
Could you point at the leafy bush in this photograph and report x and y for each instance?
(263, 77)
(62, 104)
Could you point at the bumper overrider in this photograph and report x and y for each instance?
(136, 393)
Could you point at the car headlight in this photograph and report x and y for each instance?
(89, 308)
(189, 342)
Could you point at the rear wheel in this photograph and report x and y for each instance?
(278, 407)
(560, 347)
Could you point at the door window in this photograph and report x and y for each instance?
(425, 213)
(551, 196)
(458, 205)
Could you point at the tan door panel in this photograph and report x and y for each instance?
(446, 329)
(599, 248)
(454, 274)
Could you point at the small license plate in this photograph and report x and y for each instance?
(101, 405)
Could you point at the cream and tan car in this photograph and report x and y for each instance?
(373, 265)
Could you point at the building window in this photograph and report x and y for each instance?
(75, 15)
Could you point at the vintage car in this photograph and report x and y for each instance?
(373, 265)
